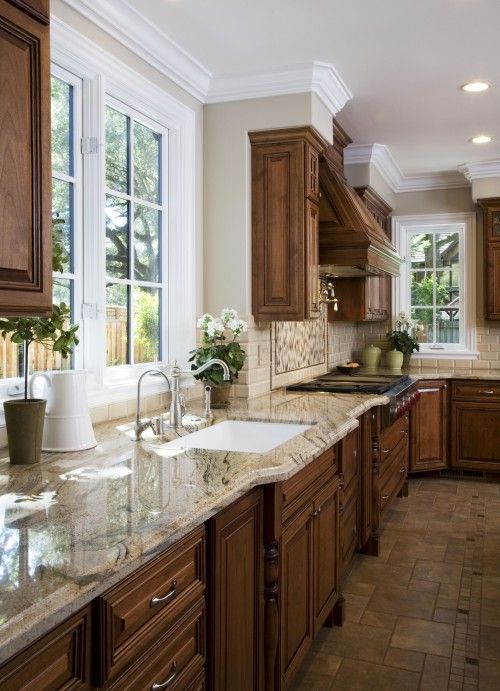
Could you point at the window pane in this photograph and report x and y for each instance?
(447, 325)
(421, 252)
(117, 237)
(146, 244)
(117, 150)
(62, 213)
(61, 121)
(425, 320)
(147, 324)
(117, 311)
(446, 288)
(447, 249)
(146, 163)
(422, 288)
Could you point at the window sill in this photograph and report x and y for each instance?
(446, 355)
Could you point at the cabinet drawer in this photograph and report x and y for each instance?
(478, 390)
(394, 479)
(391, 436)
(175, 662)
(391, 458)
(140, 608)
(299, 488)
(59, 660)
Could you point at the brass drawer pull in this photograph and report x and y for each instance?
(341, 509)
(158, 600)
(167, 682)
(385, 497)
(403, 470)
(488, 393)
(316, 513)
(386, 450)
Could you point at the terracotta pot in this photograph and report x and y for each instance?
(220, 395)
(24, 421)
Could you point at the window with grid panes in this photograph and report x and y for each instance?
(135, 217)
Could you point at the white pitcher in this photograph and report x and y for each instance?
(67, 418)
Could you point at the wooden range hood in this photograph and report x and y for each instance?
(351, 242)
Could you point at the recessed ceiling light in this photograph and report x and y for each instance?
(481, 139)
(475, 87)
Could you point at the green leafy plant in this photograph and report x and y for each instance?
(402, 337)
(53, 331)
(216, 345)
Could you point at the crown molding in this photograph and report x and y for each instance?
(126, 24)
(481, 169)
(319, 77)
(381, 158)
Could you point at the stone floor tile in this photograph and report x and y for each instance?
(437, 571)
(355, 587)
(306, 681)
(357, 641)
(423, 636)
(489, 675)
(322, 663)
(355, 606)
(423, 586)
(490, 643)
(404, 659)
(402, 602)
(381, 620)
(446, 616)
(363, 676)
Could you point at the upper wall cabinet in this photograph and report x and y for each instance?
(491, 231)
(25, 198)
(285, 224)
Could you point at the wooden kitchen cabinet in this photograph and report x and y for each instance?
(25, 170)
(285, 223)
(146, 607)
(301, 582)
(491, 242)
(235, 569)
(59, 660)
(475, 425)
(429, 427)
(367, 298)
(349, 479)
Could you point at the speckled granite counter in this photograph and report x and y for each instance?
(458, 373)
(77, 523)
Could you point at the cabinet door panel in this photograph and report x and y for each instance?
(296, 593)
(476, 436)
(278, 242)
(312, 254)
(348, 532)
(326, 557)
(236, 602)
(428, 427)
(493, 280)
(25, 203)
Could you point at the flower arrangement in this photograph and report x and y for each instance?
(219, 341)
(402, 337)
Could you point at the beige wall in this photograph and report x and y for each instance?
(227, 204)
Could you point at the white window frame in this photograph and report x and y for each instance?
(465, 225)
(120, 371)
(101, 77)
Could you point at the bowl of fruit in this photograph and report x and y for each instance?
(349, 368)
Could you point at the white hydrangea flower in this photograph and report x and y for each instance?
(228, 315)
(232, 324)
(204, 321)
(215, 328)
(242, 325)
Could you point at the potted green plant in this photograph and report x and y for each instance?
(402, 341)
(219, 340)
(24, 417)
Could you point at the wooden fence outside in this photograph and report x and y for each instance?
(43, 358)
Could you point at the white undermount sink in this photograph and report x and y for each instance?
(240, 435)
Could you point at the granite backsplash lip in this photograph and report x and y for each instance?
(77, 523)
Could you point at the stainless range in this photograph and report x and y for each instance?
(400, 388)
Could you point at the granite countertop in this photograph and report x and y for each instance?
(77, 523)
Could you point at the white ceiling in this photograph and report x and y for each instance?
(403, 61)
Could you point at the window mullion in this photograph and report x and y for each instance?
(131, 241)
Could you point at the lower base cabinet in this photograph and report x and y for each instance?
(60, 660)
(234, 597)
(429, 427)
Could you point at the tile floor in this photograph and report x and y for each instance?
(425, 614)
